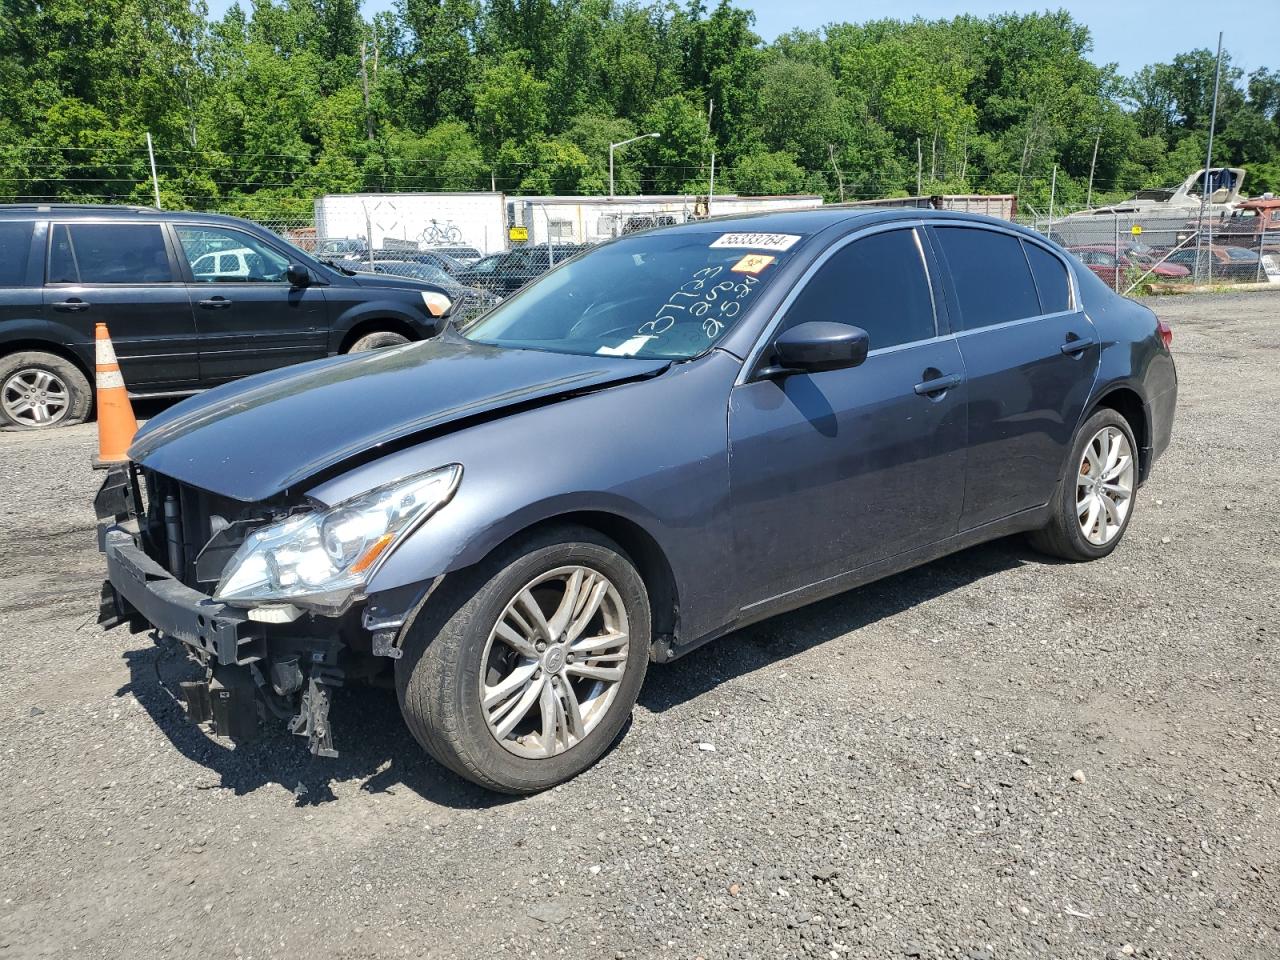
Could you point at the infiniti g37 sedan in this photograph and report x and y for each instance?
(663, 439)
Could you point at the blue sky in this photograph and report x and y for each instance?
(1131, 33)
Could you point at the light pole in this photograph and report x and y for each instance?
(623, 143)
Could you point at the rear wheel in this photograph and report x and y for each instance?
(42, 390)
(377, 340)
(525, 670)
(1095, 499)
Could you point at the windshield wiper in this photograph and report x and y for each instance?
(337, 266)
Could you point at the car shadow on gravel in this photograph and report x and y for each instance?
(376, 750)
(763, 644)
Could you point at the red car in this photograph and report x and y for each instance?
(1102, 261)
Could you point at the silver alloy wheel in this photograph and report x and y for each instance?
(553, 662)
(1104, 485)
(35, 397)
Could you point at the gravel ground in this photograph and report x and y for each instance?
(992, 756)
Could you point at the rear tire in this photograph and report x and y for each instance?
(476, 687)
(377, 341)
(39, 390)
(1095, 498)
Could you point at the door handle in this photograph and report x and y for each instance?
(938, 384)
(216, 303)
(74, 305)
(1076, 345)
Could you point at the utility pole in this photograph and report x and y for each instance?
(1208, 162)
(155, 181)
(711, 186)
(1088, 202)
(364, 87)
(831, 148)
(1053, 190)
(919, 170)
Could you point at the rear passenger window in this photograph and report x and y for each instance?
(992, 280)
(1051, 279)
(877, 283)
(15, 250)
(109, 253)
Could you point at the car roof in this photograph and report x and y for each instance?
(108, 211)
(818, 219)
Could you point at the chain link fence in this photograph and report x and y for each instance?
(1137, 251)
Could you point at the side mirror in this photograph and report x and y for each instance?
(818, 345)
(297, 275)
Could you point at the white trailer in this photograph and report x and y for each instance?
(426, 219)
(593, 219)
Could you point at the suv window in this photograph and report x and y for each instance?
(15, 251)
(217, 255)
(109, 253)
(878, 283)
(992, 279)
(1051, 279)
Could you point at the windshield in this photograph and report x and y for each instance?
(661, 295)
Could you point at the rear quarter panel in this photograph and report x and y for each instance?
(1133, 356)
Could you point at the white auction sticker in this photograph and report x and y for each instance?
(756, 241)
(628, 348)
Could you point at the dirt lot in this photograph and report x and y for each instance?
(887, 774)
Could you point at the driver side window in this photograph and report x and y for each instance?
(878, 283)
(229, 256)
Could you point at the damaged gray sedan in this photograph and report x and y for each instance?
(664, 439)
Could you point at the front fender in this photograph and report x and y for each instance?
(381, 309)
(600, 452)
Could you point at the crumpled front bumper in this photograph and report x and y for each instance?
(140, 589)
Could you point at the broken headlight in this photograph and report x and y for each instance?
(321, 560)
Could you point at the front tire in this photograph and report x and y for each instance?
(521, 672)
(1095, 499)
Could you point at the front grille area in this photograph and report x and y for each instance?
(179, 522)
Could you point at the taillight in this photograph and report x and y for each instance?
(1166, 333)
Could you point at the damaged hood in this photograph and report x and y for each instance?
(253, 439)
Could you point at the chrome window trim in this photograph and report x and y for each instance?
(766, 335)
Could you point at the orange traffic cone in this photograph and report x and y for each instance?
(116, 422)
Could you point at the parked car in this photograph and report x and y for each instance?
(672, 436)
(191, 301)
(464, 254)
(340, 247)
(468, 302)
(1219, 262)
(238, 264)
(505, 273)
(441, 261)
(1102, 261)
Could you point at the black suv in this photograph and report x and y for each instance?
(191, 300)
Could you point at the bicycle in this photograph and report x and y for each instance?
(437, 234)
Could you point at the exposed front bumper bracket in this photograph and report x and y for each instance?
(312, 720)
(176, 610)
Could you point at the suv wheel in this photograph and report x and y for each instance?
(378, 340)
(523, 671)
(42, 390)
(1094, 502)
